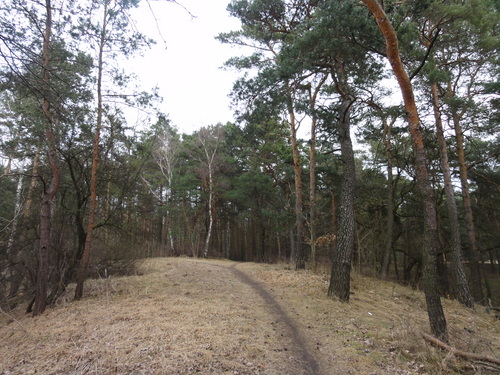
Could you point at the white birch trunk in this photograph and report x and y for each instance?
(15, 220)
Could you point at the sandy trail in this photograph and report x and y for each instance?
(305, 362)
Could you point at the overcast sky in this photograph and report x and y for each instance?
(187, 69)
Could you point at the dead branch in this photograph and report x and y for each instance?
(474, 356)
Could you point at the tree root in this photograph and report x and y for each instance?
(467, 355)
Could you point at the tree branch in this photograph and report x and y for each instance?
(422, 63)
(473, 356)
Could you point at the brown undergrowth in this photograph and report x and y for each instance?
(188, 316)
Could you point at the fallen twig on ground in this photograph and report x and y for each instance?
(474, 356)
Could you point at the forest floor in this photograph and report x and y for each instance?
(189, 316)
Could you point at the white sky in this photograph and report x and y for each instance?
(194, 88)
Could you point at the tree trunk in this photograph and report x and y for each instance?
(209, 139)
(435, 311)
(33, 183)
(82, 272)
(42, 273)
(17, 274)
(312, 169)
(340, 278)
(472, 253)
(386, 260)
(210, 212)
(300, 255)
(8, 271)
(312, 187)
(333, 245)
(278, 245)
(291, 236)
(459, 278)
(50, 191)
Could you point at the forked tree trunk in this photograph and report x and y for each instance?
(462, 287)
(435, 311)
(209, 139)
(210, 209)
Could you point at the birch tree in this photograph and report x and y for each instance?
(166, 155)
(207, 143)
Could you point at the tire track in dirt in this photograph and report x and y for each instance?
(299, 347)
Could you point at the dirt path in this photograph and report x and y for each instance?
(288, 328)
(266, 308)
(183, 316)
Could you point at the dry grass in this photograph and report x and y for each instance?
(186, 316)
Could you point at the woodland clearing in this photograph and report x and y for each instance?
(193, 316)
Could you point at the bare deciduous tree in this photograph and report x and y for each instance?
(166, 156)
(209, 140)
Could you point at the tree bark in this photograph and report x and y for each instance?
(210, 208)
(333, 245)
(472, 253)
(209, 139)
(8, 271)
(435, 311)
(49, 192)
(300, 256)
(312, 186)
(17, 275)
(340, 278)
(312, 168)
(386, 259)
(166, 158)
(82, 272)
(462, 288)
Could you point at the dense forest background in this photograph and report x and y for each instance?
(319, 168)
